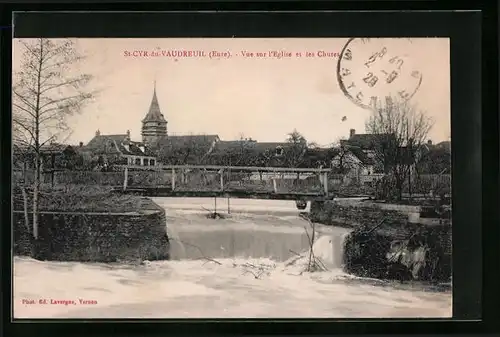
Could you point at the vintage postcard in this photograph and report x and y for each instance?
(231, 178)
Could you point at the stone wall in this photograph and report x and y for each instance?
(93, 236)
(394, 248)
(355, 214)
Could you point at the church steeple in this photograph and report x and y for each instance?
(154, 125)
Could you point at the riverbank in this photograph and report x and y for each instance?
(384, 244)
(89, 224)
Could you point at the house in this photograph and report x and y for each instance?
(358, 165)
(434, 158)
(108, 150)
(318, 157)
(357, 156)
(248, 152)
(278, 154)
(52, 155)
(184, 150)
(232, 153)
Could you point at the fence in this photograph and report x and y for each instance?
(429, 183)
(210, 180)
(70, 178)
(183, 179)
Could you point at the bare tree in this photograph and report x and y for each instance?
(400, 130)
(313, 145)
(342, 163)
(294, 153)
(47, 89)
(182, 150)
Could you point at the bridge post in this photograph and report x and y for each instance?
(173, 179)
(275, 186)
(325, 182)
(222, 179)
(125, 178)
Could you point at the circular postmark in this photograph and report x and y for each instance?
(373, 69)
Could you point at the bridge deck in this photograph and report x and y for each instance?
(221, 183)
(226, 168)
(168, 192)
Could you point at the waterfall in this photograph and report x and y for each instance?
(330, 248)
(177, 249)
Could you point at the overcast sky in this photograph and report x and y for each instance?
(261, 98)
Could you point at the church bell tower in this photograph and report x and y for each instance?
(154, 125)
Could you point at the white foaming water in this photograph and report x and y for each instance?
(252, 275)
(272, 231)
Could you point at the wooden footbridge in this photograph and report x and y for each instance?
(226, 181)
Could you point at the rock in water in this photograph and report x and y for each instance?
(398, 271)
(365, 254)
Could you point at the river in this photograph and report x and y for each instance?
(242, 266)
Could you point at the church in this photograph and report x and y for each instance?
(158, 147)
(170, 149)
(209, 149)
(204, 149)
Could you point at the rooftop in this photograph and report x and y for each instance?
(154, 114)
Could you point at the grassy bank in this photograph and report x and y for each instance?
(82, 223)
(83, 198)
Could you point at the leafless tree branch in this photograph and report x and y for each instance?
(402, 130)
(45, 93)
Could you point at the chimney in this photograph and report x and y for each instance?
(98, 133)
(429, 142)
(81, 144)
(128, 134)
(352, 132)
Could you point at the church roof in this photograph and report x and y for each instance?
(114, 143)
(154, 114)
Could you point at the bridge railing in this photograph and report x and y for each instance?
(194, 178)
(66, 177)
(217, 178)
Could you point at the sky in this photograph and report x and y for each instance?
(262, 98)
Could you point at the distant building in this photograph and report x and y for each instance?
(248, 152)
(173, 150)
(154, 124)
(357, 156)
(119, 149)
(185, 150)
(209, 149)
(52, 155)
(434, 158)
(318, 157)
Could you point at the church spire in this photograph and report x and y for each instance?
(154, 114)
(154, 125)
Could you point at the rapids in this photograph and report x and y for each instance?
(242, 266)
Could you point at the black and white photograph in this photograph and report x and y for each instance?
(231, 178)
